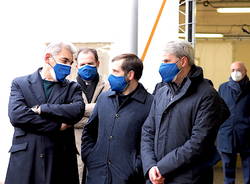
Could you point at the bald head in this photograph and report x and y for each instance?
(239, 66)
(238, 71)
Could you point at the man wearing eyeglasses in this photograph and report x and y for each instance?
(178, 136)
(43, 107)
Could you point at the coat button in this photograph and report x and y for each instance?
(109, 162)
(116, 115)
(41, 155)
(110, 137)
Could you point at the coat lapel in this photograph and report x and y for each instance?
(36, 87)
(99, 87)
(180, 95)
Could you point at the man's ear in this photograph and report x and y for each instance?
(131, 75)
(184, 61)
(47, 57)
(97, 64)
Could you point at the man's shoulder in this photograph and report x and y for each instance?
(23, 78)
(206, 88)
(163, 90)
(224, 85)
(106, 94)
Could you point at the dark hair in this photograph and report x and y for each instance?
(87, 50)
(130, 62)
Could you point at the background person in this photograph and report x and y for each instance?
(234, 133)
(92, 85)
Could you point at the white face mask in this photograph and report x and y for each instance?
(236, 76)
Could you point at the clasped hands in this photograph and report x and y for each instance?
(155, 176)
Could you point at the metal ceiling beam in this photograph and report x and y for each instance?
(190, 20)
(223, 2)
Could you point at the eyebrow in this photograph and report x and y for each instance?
(115, 70)
(67, 60)
(167, 60)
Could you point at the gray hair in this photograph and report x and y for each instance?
(55, 47)
(180, 48)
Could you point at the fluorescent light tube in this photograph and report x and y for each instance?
(233, 10)
(204, 35)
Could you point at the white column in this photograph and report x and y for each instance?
(125, 20)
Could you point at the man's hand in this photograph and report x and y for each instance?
(36, 109)
(64, 126)
(155, 176)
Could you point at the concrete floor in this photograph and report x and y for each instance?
(218, 175)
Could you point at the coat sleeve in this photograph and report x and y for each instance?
(66, 113)
(22, 116)
(89, 109)
(90, 133)
(147, 141)
(212, 111)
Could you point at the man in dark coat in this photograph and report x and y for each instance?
(43, 107)
(179, 134)
(234, 133)
(111, 139)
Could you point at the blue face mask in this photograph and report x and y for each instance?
(117, 84)
(61, 71)
(168, 71)
(87, 72)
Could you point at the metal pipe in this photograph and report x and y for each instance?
(153, 30)
(190, 21)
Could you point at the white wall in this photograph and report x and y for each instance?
(167, 30)
(25, 27)
(215, 57)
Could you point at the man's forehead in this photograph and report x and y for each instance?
(86, 57)
(237, 65)
(117, 63)
(168, 55)
(65, 53)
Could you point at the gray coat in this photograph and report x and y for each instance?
(179, 134)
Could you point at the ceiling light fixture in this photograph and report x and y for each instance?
(233, 10)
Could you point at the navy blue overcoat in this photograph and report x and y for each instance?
(40, 152)
(234, 133)
(111, 139)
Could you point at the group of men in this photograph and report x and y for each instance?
(124, 134)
